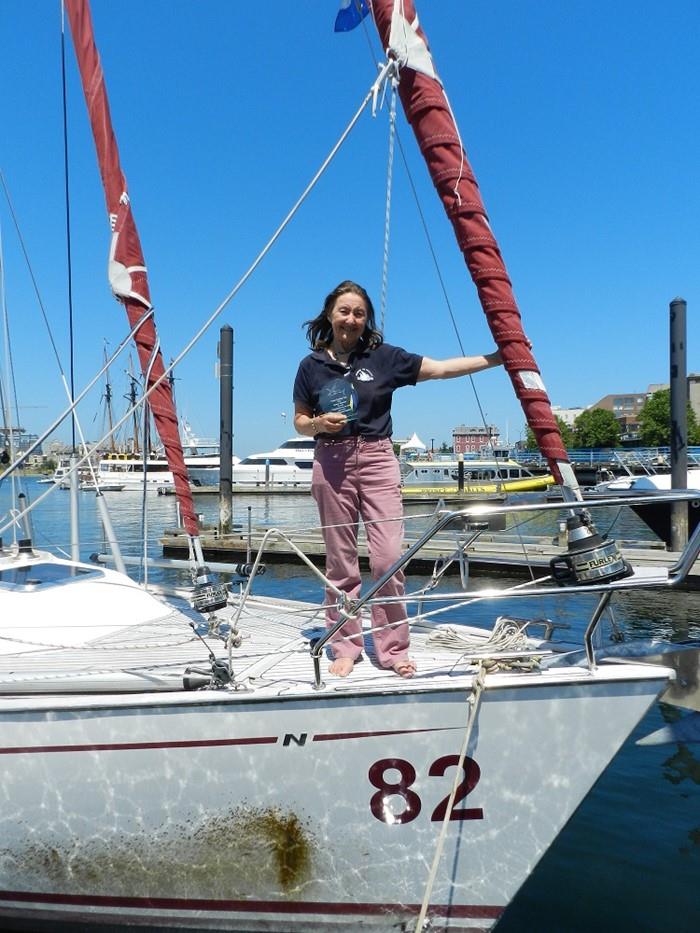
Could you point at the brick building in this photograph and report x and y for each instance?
(626, 407)
(471, 440)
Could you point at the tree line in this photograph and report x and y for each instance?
(597, 427)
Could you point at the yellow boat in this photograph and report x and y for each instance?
(481, 477)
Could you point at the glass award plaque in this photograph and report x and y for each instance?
(339, 395)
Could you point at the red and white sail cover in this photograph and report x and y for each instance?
(127, 271)
(428, 111)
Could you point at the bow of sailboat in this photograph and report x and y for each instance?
(214, 772)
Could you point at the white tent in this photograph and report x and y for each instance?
(413, 444)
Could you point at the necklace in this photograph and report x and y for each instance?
(339, 355)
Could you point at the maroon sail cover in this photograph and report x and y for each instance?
(127, 271)
(427, 111)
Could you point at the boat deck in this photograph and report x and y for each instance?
(273, 659)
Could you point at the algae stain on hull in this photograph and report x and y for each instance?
(288, 844)
(266, 842)
(235, 853)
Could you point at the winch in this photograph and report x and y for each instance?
(208, 594)
(591, 557)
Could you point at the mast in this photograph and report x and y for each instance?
(127, 271)
(428, 111)
(131, 399)
(108, 406)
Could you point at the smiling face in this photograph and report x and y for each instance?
(348, 319)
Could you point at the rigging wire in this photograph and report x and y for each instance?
(5, 394)
(12, 397)
(387, 209)
(71, 406)
(69, 390)
(68, 225)
(424, 224)
(439, 274)
(30, 270)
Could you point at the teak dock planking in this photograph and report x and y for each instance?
(488, 554)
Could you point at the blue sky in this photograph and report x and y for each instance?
(580, 120)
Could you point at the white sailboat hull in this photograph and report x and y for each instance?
(317, 811)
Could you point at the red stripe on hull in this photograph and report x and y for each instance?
(138, 746)
(333, 736)
(204, 743)
(472, 911)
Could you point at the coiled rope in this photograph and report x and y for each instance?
(505, 636)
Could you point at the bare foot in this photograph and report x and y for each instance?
(405, 667)
(342, 667)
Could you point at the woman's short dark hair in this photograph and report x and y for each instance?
(319, 331)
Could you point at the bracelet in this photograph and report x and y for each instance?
(313, 427)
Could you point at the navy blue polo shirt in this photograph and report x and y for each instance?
(372, 374)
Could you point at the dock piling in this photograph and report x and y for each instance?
(679, 421)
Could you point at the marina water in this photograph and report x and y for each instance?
(629, 859)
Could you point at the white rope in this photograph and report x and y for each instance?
(505, 636)
(455, 190)
(473, 702)
(387, 210)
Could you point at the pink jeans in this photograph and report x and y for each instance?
(353, 478)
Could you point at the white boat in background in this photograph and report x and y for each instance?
(290, 464)
(89, 485)
(656, 512)
(287, 465)
(202, 457)
(297, 450)
(646, 482)
(481, 476)
(60, 474)
(133, 471)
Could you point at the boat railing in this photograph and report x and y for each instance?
(651, 458)
(475, 519)
(471, 521)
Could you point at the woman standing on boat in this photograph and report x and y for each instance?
(342, 397)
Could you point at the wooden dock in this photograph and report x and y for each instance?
(491, 553)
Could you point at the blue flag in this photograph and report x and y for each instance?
(350, 14)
